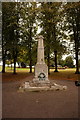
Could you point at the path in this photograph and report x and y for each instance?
(51, 104)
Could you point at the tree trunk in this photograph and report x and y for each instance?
(30, 58)
(30, 65)
(30, 50)
(15, 58)
(76, 54)
(75, 30)
(4, 60)
(48, 63)
(55, 52)
(3, 67)
(3, 57)
(14, 72)
(16, 35)
(77, 65)
(77, 46)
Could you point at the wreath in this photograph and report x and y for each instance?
(41, 76)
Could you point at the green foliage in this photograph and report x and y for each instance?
(72, 15)
(9, 26)
(51, 30)
(68, 62)
(21, 21)
(18, 31)
(28, 31)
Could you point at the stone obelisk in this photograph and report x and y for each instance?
(41, 69)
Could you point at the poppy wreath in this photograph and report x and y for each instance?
(41, 76)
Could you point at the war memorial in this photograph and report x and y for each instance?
(40, 81)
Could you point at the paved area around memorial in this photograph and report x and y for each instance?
(51, 104)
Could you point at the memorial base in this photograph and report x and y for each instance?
(33, 86)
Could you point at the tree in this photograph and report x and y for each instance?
(4, 34)
(28, 29)
(50, 18)
(19, 29)
(72, 15)
(10, 32)
(69, 61)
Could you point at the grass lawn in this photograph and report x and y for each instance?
(65, 74)
(0, 68)
(22, 73)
